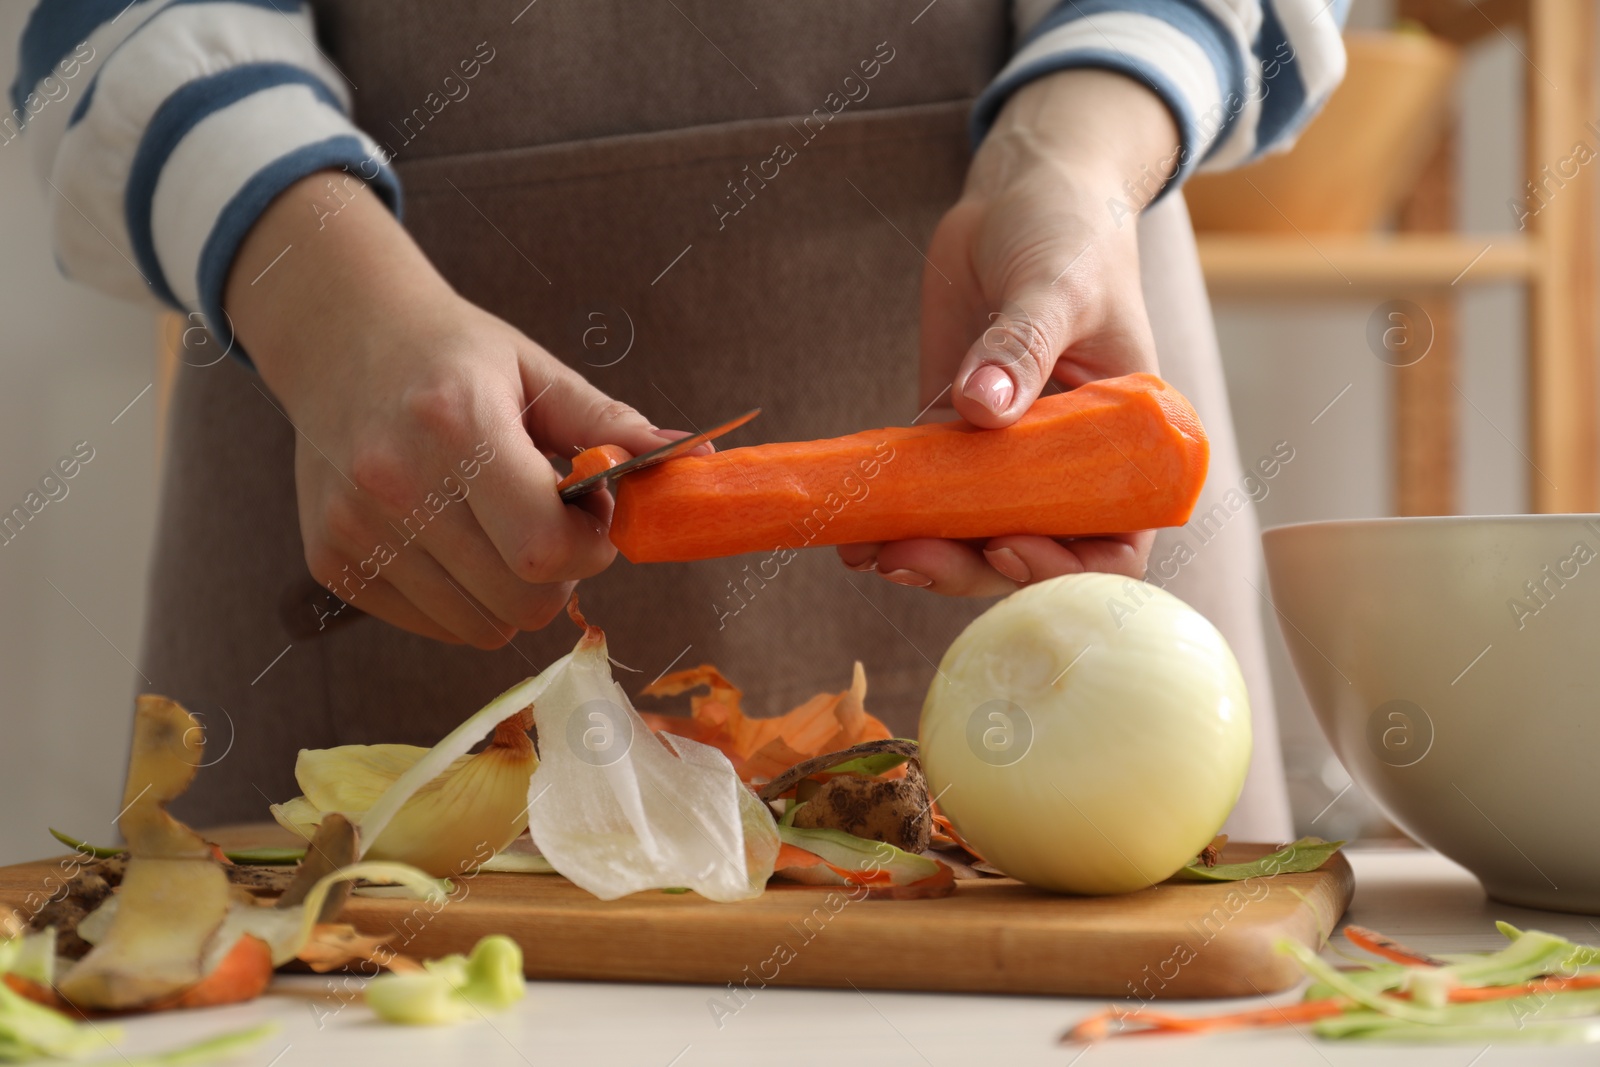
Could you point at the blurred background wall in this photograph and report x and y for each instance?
(74, 366)
(72, 583)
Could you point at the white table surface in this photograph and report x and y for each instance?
(1419, 897)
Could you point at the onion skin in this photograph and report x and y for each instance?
(1123, 747)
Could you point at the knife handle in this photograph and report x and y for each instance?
(593, 461)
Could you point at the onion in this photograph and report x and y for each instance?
(1087, 734)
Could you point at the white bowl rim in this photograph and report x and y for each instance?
(1385, 521)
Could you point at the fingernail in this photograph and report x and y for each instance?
(1009, 564)
(701, 449)
(905, 577)
(864, 565)
(991, 387)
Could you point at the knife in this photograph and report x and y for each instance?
(572, 490)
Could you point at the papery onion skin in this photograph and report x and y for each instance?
(1140, 734)
(454, 822)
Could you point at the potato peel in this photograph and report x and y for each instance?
(174, 896)
(876, 809)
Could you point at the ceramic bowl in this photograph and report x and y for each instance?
(1454, 664)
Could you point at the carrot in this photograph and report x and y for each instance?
(1387, 947)
(1112, 456)
(1098, 1026)
(592, 461)
(37, 992)
(244, 974)
(879, 884)
(1552, 984)
(762, 748)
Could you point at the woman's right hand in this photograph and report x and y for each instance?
(423, 425)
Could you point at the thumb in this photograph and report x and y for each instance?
(565, 414)
(1006, 368)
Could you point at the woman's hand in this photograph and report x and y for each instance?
(1034, 277)
(423, 425)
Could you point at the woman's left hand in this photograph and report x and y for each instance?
(1033, 277)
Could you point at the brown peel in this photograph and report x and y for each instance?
(174, 895)
(876, 809)
(334, 845)
(815, 765)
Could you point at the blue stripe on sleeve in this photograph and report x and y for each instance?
(1285, 99)
(173, 120)
(57, 27)
(344, 150)
(1198, 24)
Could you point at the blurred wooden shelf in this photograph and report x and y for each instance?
(1324, 264)
(1428, 262)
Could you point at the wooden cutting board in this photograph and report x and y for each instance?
(991, 936)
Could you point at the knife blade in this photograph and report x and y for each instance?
(572, 491)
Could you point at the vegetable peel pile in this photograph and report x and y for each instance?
(1538, 989)
(174, 932)
(765, 748)
(620, 802)
(716, 801)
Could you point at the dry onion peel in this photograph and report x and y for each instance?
(455, 744)
(438, 809)
(522, 856)
(617, 812)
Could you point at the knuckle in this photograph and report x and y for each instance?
(443, 409)
(383, 474)
(608, 413)
(541, 560)
(1031, 343)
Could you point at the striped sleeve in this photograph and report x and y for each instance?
(161, 129)
(1241, 77)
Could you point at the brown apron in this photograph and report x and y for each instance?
(704, 207)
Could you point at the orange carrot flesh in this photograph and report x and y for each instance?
(1098, 1026)
(1552, 984)
(1113, 456)
(592, 461)
(1387, 947)
(244, 974)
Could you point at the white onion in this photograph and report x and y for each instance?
(1087, 734)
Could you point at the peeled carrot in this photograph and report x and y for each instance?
(1113, 456)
